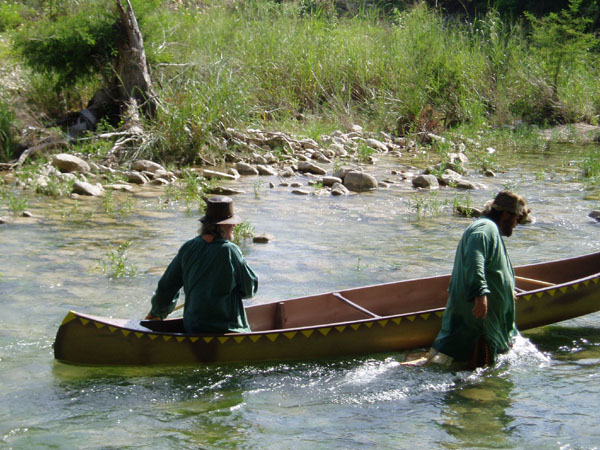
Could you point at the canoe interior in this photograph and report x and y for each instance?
(390, 299)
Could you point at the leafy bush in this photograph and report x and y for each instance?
(9, 16)
(7, 143)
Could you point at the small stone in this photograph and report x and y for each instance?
(262, 239)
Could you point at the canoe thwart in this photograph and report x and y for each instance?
(354, 305)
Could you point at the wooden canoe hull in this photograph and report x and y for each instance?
(93, 340)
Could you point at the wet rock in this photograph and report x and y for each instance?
(465, 184)
(84, 188)
(468, 211)
(300, 192)
(159, 182)
(306, 166)
(233, 172)
(425, 181)
(26, 214)
(360, 181)
(376, 145)
(259, 159)
(119, 187)
(245, 169)
(309, 144)
(223, 190)
(449, 178)
(338, 150)
(489, 173)
(166, 174)
(296, 184)
(215, 175)
(133, 176)
(330, 181)
(595, 215)
(70, 163)
(287, 172)
(144, 165)
(265, 170)
(262, 239)
(3, 220)
(339, 189)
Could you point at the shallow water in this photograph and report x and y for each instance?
(542, 395)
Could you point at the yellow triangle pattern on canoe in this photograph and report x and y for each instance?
(425, 316)
(239, 339)
(412, 318)
(355, 326)
(341, 328)
(112, 329)
(152, 336)
(369, 324)
(527, 297)
(208, 339)
(125, 332)
(180, 338)
(255, 337)
(552, 292)
(307, 333)
(223, 339)
(596, 280)
(139, 335)
(563, 289)
(194, 339)
(539, 294)
(99, 325)
(166, 338)
(84, 322)
(383, 323)
(439, 313)
(70, 316)
(397, 320)
(272, 336)
(576, 286)
(325, 331)
(290, 335)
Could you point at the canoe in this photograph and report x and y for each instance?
(390, 317)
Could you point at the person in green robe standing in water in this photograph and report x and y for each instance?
(214, 276)
(479, 320)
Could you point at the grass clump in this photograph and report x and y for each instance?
(116, 263)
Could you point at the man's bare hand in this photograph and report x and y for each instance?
(151, 317)
(480, 308)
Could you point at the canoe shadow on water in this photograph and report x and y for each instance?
(567, 343)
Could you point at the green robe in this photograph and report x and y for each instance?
(215, 278)
(481, 267)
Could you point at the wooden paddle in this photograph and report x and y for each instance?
(531, 280)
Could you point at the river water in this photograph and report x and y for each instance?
(544, 394)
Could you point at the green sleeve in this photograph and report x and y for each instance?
(477, 246)
(247, 280)
(167, 292)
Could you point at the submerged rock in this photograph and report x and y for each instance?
(84, 188)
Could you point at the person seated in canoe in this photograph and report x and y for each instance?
(214, 276)
(479, 320)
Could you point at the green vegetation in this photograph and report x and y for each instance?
(306, 67)
(7, 143)
(243, 231)
(427, 205)
(116, 263)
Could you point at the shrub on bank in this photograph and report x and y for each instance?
(283, 65)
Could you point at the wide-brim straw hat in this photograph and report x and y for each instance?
(510, 202)
(219, 211)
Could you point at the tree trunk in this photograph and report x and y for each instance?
(134, 81)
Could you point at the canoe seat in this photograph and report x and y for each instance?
(355, 306)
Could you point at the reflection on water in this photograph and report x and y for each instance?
(53, 263)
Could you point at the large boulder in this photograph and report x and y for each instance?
(425, 181)
(245, 169)
(359, 181)
(70, 163)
